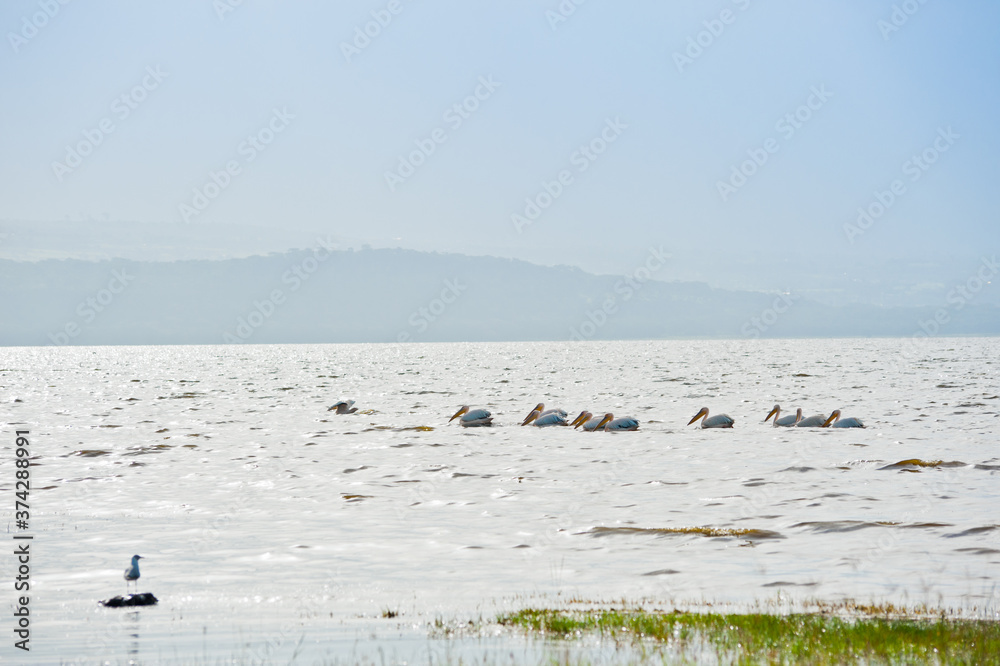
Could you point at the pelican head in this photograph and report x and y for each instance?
(464, 409)
(703, 412)
(540, 408)
(583, 417)
(775, 412)
(604, 421)
(535, 413)
(835, 421)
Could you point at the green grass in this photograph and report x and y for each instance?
(777, 639)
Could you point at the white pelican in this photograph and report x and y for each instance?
(540, 408)
(545, 419)
(344, 407)
(587, 421)
(814, 421)
(784, 421)
(471, 419)
(717, 421)
(849, 422)
(132, 573)
(610, 424)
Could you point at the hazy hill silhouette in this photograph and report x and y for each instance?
(400, 295)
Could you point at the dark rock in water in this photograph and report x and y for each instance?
(144, 599)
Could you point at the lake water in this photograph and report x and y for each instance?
(273, 529)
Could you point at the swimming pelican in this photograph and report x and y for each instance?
(545, 419)
(717, 421)
(784, 421)
(849, 422)
(472, 419)
(540, 408)
(132, 573)
(587, 421)
(344, 407)
(610, 424)
(814, 421)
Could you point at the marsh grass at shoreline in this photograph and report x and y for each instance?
(767, 638)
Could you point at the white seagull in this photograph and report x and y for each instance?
(132, 573)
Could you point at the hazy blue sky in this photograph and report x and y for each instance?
(198, 81)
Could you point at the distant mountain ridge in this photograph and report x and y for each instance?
(330, 295)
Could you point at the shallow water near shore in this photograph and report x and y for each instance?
(272, 529)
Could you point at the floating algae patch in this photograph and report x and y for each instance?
(685, 637)
(88, 453)
(181, 396)
(143, 450)
(417, 428)
(912, 463)
(841, 525)
(972, 531)
(703, 531)
(354, 498)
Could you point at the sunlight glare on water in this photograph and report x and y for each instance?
(270, 527)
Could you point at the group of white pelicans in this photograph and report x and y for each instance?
(541, 418)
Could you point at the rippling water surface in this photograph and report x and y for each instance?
(271, 528)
